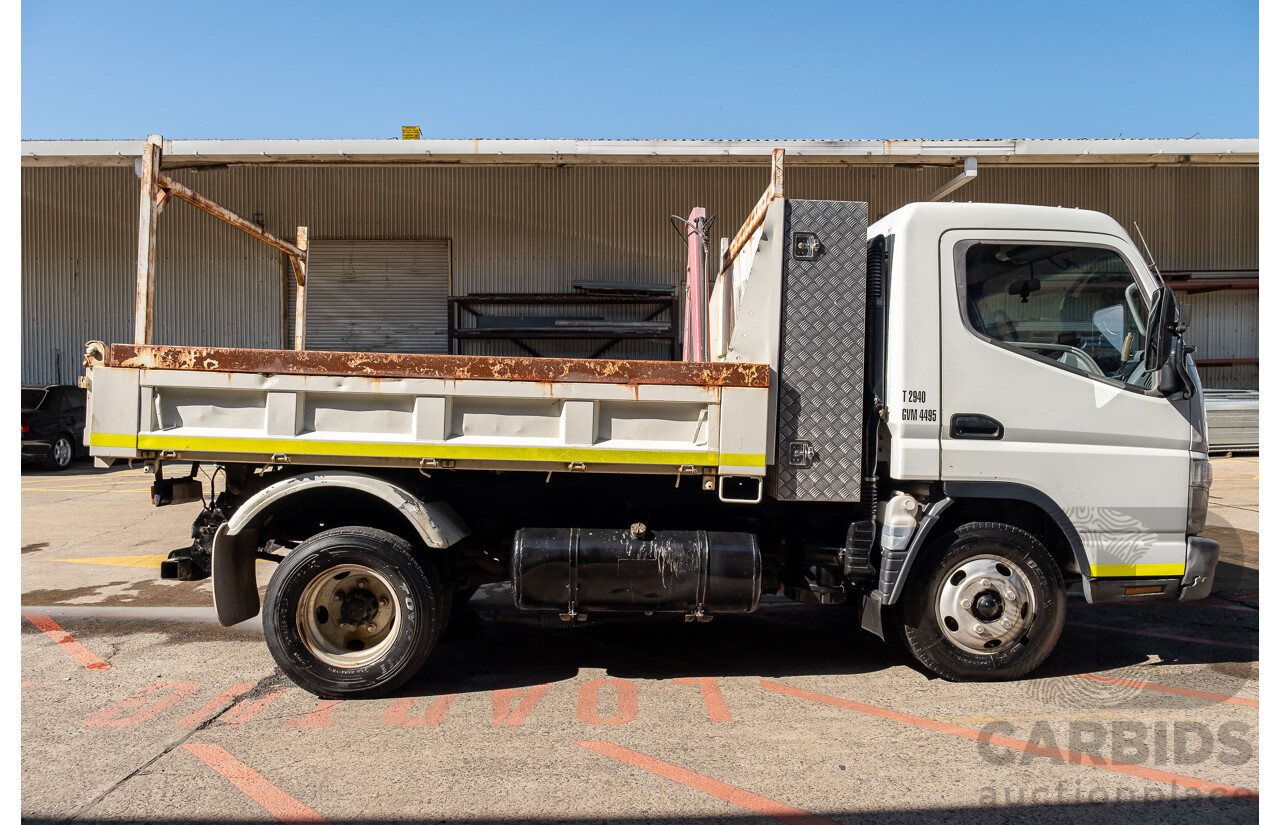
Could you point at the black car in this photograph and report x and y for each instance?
(52, 424)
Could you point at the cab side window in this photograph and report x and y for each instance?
(1077, 307)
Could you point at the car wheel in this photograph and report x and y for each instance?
(61, 453)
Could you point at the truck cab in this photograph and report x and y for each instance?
(1017, 392)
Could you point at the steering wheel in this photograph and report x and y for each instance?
(1087, 363)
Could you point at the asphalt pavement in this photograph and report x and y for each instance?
(138, 707)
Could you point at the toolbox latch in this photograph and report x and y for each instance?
(800, 454)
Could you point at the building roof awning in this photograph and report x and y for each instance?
(1034, 152)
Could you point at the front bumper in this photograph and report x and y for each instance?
(1202, 561)
(1196, 581)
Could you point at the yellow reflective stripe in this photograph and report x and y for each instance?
(112, 440)
(384, 450)
(1129, 570)
(741, 460)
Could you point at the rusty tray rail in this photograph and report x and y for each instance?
(449, 367)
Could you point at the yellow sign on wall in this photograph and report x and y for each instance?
(410, 133)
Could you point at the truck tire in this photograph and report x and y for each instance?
(352, 613)
(990, 607)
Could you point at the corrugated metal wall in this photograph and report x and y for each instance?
(1224, 325)
(530, 229)
(216, 286)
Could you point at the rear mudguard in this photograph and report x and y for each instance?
(235, 588)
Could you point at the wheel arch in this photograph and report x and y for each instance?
(434, 525)
(1010, 503)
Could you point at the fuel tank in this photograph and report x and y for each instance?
(579, 570)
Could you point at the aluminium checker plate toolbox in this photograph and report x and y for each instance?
(821, 360)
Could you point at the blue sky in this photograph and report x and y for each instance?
(639, 70)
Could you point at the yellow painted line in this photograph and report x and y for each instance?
(1128, 570)
(122, 561)
(297, 447)
(83, 490)
(152, 562)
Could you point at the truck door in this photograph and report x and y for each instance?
(1043, 392)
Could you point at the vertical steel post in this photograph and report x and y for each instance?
(700, 227)
(148, 212)
(300, 308)
(775, 163)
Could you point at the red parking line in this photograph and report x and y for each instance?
(511, 706)
(397, 715)
(1137, 632)
(244, 712)
(278, 803)
(760, 804)
(65, 640)
(1019, 744)
(711, 696)
(1198, 694)
(215, 704)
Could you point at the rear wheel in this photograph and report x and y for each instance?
(61, 453)
(352, 613)
(991, 606)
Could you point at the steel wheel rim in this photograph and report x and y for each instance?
(330, 606)
(62, 452)
(985, 604)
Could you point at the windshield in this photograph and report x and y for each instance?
(31, 398)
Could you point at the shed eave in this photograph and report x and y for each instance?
(179, 153)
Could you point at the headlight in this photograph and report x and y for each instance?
(1198, 495)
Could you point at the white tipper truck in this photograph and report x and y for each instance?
(946, 419)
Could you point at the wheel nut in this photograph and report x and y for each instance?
(1006, 623)
(979, 629)
(371, 627)
(965, 603)
(986, 582)
(341, 594)
(1009, 594)
(344, 625)
(384, 601)
(363, 584)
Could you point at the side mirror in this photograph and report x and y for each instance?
(1162, 326)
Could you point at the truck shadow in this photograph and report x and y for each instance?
(493, 646)
(515, 649)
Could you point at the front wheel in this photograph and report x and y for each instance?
(990, 607)
(352, 613)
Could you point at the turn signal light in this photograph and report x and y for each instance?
(1143, 589)
(25, 429)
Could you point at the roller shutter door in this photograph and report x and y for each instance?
(378, 296)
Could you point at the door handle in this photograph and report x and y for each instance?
(975, 425)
